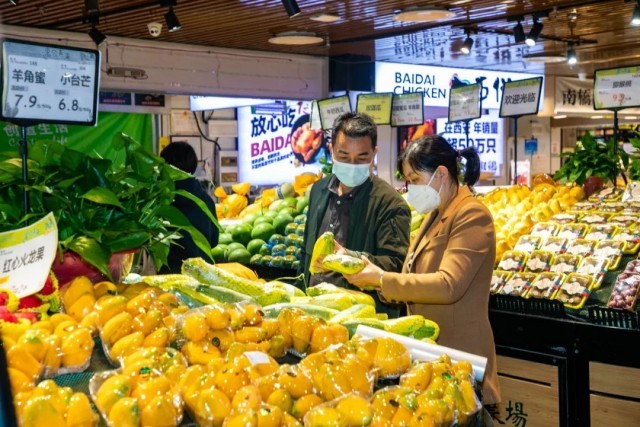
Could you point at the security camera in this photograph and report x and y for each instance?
(155, 28)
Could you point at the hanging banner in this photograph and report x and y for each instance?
(315, 116)
(376, 105)
(573, 96)
(92, 140)
(332, 108)
(26, 256)
(616, 88)
(275, 147)
(485, 134)
(407, 109)
(464, 103)
(521, 98)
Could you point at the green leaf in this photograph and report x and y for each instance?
(128, 241)
(178, 220)
(202, 206)
(92, 252)
(103, 196)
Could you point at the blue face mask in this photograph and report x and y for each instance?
(349, 174)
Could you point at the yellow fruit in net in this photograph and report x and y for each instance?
(195, 327)
(324, 417)
(304, 405)
(79, 411)
(160, 412)
(125, 413)
(355, 410)
(112, 389)
(212, 407)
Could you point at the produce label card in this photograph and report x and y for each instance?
(26, 256)
(617, 88)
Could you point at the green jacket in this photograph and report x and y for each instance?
(379, 226)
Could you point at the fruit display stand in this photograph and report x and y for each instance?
(565, 363)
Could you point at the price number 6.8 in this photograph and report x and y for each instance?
(63, 106)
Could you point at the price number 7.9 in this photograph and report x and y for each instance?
(33, 100)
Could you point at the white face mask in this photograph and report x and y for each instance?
(349, 174)
(423, 198)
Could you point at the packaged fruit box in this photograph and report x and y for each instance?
(539, 261)
(572, 230)
(601, 232)
(625, 220)
(527, 243)
(595, 267)
(583, 206)
(609, 194)
(556, 245)
(545, 285)
(574, 291)
(518, 285)
(581, 247)
(611, 250)
(611, 207)
(591, 218)
(566, 263)
(631, 240)
(566, 217)
(498, 280)
(513, 261)
(544, 229)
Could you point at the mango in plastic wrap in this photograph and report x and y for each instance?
(304, 180)
(342, 263)
(324, 246)
(236, 204)
(241, 189)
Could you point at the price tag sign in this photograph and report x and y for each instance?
(26, 256)
(376, 105)
(315, 122)
(521, 97)
(616, 88)
(49, 84)
(407, 109)
(464, 103)
(331, 108)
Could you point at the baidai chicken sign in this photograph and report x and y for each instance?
(275, 143)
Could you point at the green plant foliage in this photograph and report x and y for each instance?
(100, 209)
(592, 158)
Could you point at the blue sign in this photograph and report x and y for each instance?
(530, 146)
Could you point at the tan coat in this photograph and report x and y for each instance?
(453, 265)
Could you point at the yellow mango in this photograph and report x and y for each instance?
(79, 286)
(112, 389)
(79, 413)
(41, 411)
(117, 327)
(82, 306)
(158, 338)
(160, 412)
(125, 412)
(76, 348)
(19, 358)
(126, 345)
(109, 306)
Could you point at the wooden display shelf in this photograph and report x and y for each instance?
(608, 411)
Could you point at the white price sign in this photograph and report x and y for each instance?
(521, 97)
(407, 109)
(49, 84)
(618, 88)
(332, 108)
(26, 256)
(464, 103)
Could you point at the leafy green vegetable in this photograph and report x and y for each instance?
(100, 208)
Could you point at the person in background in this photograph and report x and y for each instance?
(182, 156)
(366, 215)
(447, 273)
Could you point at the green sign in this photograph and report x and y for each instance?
(91, 140)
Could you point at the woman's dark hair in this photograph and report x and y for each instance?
(355, 125)
(425, 154)
(181, 155)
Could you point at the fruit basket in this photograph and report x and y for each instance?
(566, 263)
(518, 285)
(539, 261)
(574, 291)
(545, 285)
(557, 245)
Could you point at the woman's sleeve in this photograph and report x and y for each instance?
(471, 238)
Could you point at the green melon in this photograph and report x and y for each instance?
(263, 231)
(241, 256)
(242, 234)
(254, 246)
(281, 221)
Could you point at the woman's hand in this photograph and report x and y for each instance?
(367, 279)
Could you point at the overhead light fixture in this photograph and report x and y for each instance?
(561, 116)
(325, 17)
(467, 44)
(597, 117)
(292, 8)
(296, 38)
(631, 117)
(97, 36)
(423, 14)
(534, 33)
(173, 24)
(635, 18)
(572, 58)
(518, 33)
(14, 2)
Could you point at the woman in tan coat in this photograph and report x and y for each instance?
(447, 273)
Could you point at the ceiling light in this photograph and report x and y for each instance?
(518, 33)
(173, 24)
(325, 17)
(561, 116)
(296, 38)
(465, 49)
(423, 14)
(635, 18)
(14, 2)
(534, 33)
(631, 117)
(597, 117)
(97, 36)
(292, 8)
(572, 58)
(544, 58)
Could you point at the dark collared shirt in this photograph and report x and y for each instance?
(336, 220)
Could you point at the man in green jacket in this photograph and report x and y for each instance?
(365, 214)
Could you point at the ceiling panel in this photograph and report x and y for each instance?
(601, 30)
